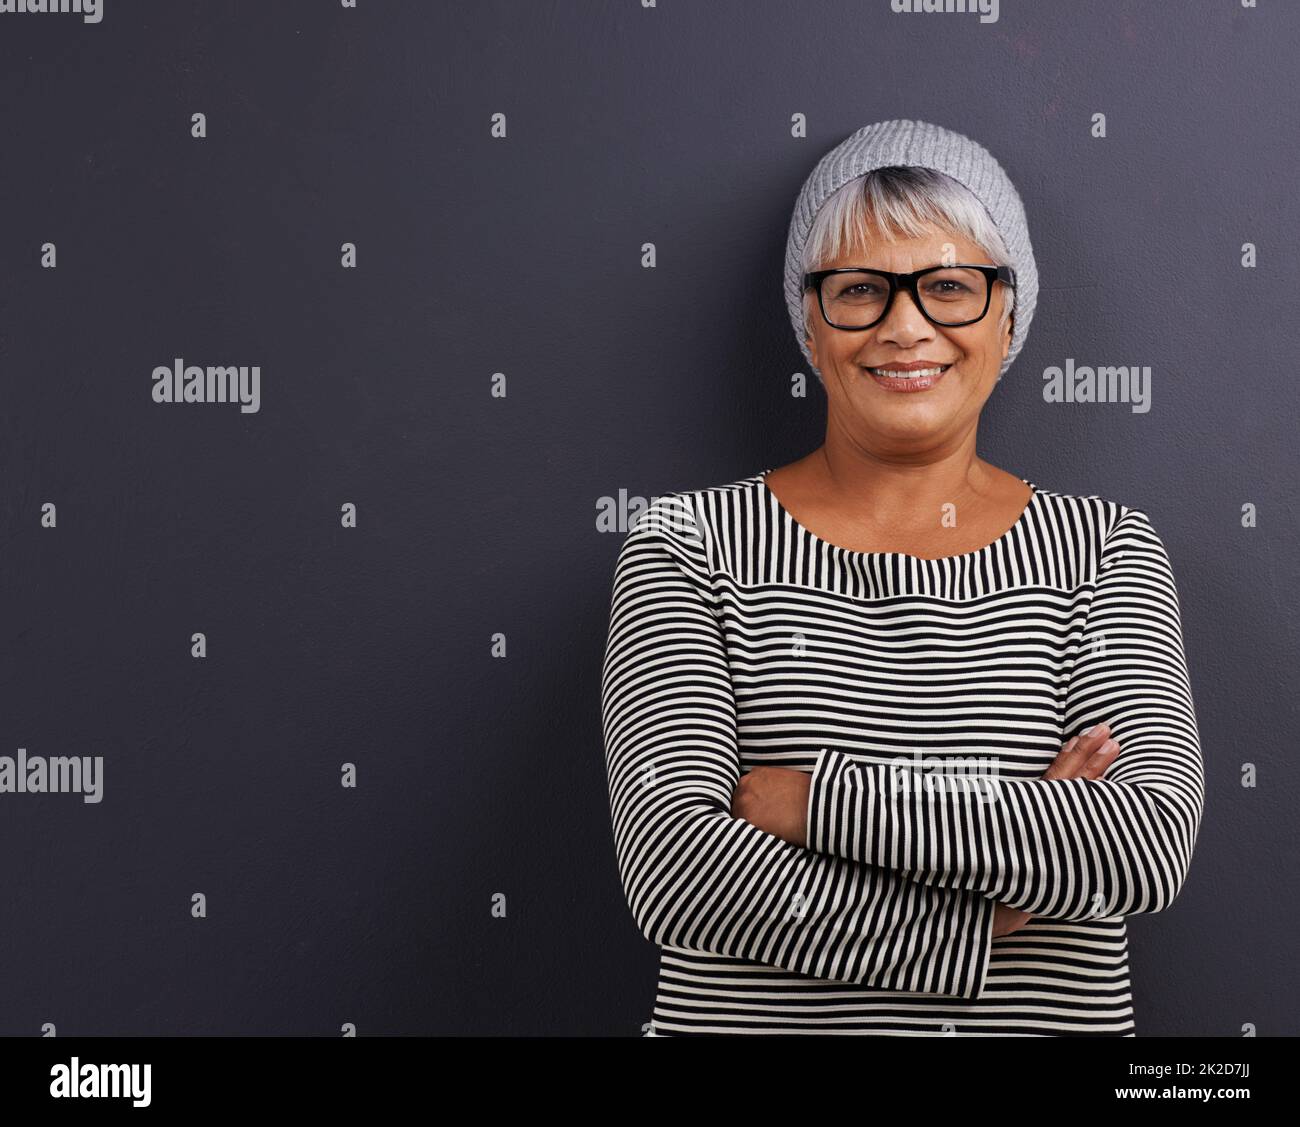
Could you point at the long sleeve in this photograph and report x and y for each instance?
(1064, 849)
(698, 878)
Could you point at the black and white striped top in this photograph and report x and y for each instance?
(739, 638)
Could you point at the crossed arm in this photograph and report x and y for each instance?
(700, 879)
(1065, 849)
(881, 897)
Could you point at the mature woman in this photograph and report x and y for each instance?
(896, 739)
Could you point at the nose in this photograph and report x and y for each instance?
(904, 324)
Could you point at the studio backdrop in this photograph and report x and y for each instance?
(342, 342)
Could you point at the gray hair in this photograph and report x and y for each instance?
(905, 202)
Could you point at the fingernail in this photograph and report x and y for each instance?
(1109, 746)
(1089, 731)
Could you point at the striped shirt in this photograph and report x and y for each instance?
(926, 697)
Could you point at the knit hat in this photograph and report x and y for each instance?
(903, 142)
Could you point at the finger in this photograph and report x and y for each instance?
(1060, 767)
(1088, 743)
(1019, 921)
(1101, 759)
(1093, 737)
(1072, 758)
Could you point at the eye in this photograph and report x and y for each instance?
(943, 287)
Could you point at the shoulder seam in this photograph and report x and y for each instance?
(1126, 516)
(672, 516)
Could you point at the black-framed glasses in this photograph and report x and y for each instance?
(854, 298)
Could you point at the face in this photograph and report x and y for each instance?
(909, 417)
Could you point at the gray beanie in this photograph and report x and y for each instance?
(903, 142)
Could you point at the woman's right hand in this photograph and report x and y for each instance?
(1084, 757)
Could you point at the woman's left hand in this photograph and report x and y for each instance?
(775, 799)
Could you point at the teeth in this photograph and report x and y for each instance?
(916, 375)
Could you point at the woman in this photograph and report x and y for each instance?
(837, 695)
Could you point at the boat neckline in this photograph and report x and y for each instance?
(1026, 515)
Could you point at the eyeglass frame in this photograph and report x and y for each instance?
(908, 282)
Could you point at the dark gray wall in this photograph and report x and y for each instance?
(476, 515)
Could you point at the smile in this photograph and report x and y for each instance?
(909, 375)
(920, 379)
